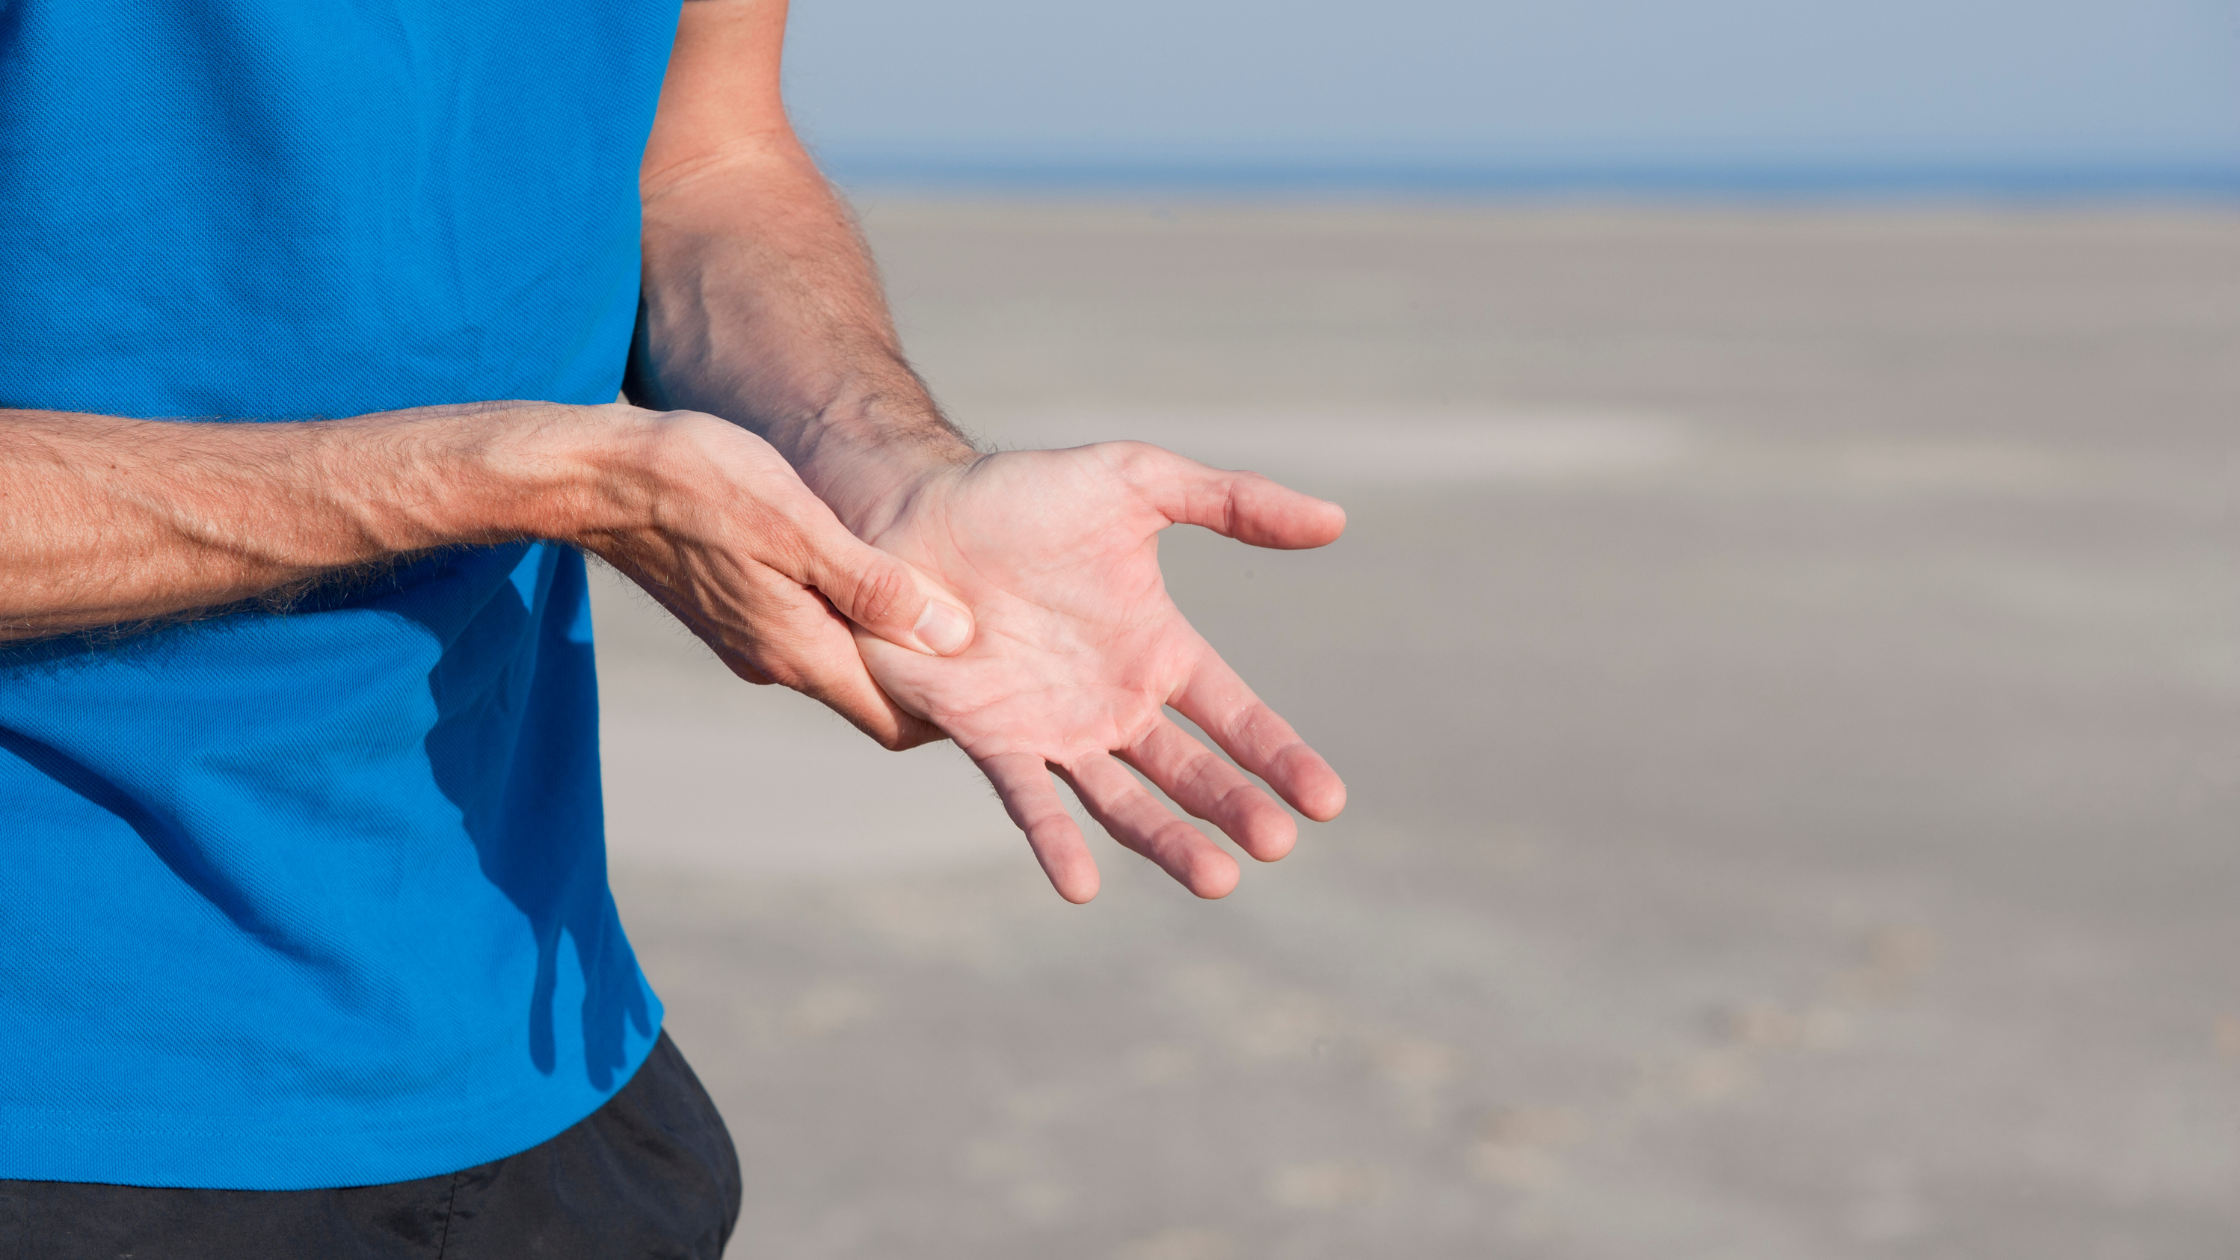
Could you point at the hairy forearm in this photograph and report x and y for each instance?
(106, 520)
(762, 306)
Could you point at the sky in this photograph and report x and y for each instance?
(2078, 86)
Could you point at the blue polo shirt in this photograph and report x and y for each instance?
(315, 897)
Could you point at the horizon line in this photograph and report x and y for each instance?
(1764, 180)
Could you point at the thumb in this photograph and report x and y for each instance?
(888, 596)
(1241, 505)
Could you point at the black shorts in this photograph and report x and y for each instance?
(652, 1174)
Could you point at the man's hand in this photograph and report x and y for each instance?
(1079, 652)
(106, 520)
(742, 553)
(761, 306)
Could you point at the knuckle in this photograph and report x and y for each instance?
(904, 733)
(880, 593)
(782, 653)
(1133, 461)
(786, 674)
(1238, 803)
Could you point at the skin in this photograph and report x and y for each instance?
(106, 520)
(788, 490)
(1080, 652)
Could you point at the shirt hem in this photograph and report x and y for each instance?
(146, 1153)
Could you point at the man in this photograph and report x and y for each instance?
(308, 944)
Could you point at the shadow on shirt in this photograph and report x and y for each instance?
(516, 748)
(513, 747)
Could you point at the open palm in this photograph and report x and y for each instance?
(1079, 652)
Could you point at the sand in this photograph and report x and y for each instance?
(1787, 666)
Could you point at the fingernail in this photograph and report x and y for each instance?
(943, 628)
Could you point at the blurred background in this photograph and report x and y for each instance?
(1786, 653)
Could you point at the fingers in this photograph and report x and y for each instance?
(806, 645)
(1136, 819)
(1212, 789)
(784, 633)
(880, 592)
(1031, 798)
(885, 594)
(760, 568)
(1248, 730)
(1241, 505)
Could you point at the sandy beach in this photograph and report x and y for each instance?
(1787, 669)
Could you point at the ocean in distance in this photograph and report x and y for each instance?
(1799, 181)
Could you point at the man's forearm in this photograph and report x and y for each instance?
(763, 307)
(106, 520)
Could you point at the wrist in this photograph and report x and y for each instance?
(867, 460)
(566, 473)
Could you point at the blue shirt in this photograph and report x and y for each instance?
(315, 898)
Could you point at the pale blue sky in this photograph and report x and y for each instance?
(1757, 83)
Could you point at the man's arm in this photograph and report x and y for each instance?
(762, 304)
(762, 307)
(109, 520)
(106, 520)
